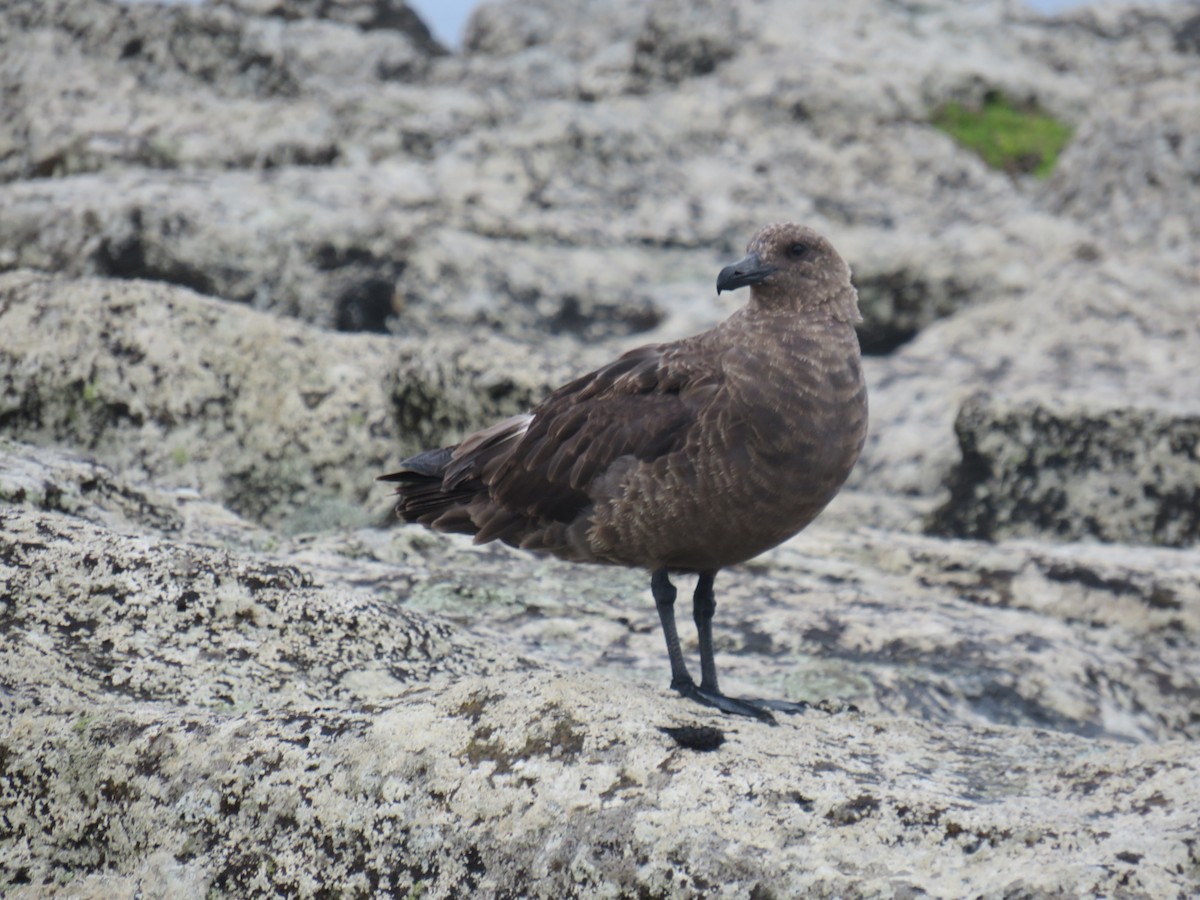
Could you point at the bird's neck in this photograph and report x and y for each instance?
(839, 305)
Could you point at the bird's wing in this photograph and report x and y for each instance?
(641, 405)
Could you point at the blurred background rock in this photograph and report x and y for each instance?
(253, 252)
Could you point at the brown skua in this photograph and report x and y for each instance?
(682, 457)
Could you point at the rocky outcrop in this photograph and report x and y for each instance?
(187, 717)
(280, 421)
(1125, 475)
(254, 253)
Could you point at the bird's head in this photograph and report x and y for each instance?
(790, 266)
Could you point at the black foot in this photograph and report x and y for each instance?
(754, 709)
(784, 706)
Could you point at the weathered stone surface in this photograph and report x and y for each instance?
(781, 126)
(196, 703)
(105, 616)
(95, 84)
(1123, 475)
(681, 40)
(284, 423)
(364, 14)
(458, 792)
(1137, 171)
(274, 243)
(584, 292)
(1115, 331)
(273, 419)
(184, 718)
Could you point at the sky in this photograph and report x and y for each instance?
(446, 18)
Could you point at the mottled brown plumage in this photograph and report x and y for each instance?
(682, 457)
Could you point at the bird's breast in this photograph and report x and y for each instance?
(762, 459)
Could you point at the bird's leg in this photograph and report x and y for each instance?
(704, 604)
(664, 602)
(681, 680)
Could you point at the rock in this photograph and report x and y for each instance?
(465, 792)
(365, 14)
(1138, 172)
(190, 716)
(522, 287)
(220, 676)
(53, 480)
(193, 392)
(1124, 475)
(97, 84)
(247, 55)
(505, 29)
(272, 242)
(181, 624)
(897, 305)
(1112, 331)
(683, 40)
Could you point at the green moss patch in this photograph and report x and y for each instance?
(1020, 139)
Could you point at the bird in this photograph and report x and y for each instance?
(680, 458)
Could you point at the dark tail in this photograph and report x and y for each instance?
(424, 498)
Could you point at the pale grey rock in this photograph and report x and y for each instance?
(445, 388)
(277, 241)
(95, 84)
(213, 721)
(680, 40)
(218, 45)
(1074, 472)
(1134, 164)
(273, 419)
(1187, 35)
(1086, 639)
(523, 287)
(366, 710)
(462, 792)
(282, 422)
(365, 14)
(498, 28)
(769, 133)
(55, 480)
(106, 616)
(1113, 331)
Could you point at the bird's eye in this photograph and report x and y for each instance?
(797, 251)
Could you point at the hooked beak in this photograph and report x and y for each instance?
(743, 272)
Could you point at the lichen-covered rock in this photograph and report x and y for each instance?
(95, 84)
(276, 420)
(185, 718)
(1113, 332)
(1137, 171)
(365, 14)
(274, 243)
(537, 784)
(522, 287)
(214, 718)
(104, 616)
(680, 40)
(1074, 472)
(193, 703)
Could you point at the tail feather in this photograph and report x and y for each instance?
(420, 487)
(431, 463)
(439, 488)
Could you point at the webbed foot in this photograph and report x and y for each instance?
(754, 709)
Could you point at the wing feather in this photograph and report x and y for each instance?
(525, 479)
(642, 405)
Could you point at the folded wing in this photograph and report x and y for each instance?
(524, 480)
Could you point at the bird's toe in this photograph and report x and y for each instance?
(750, 708)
